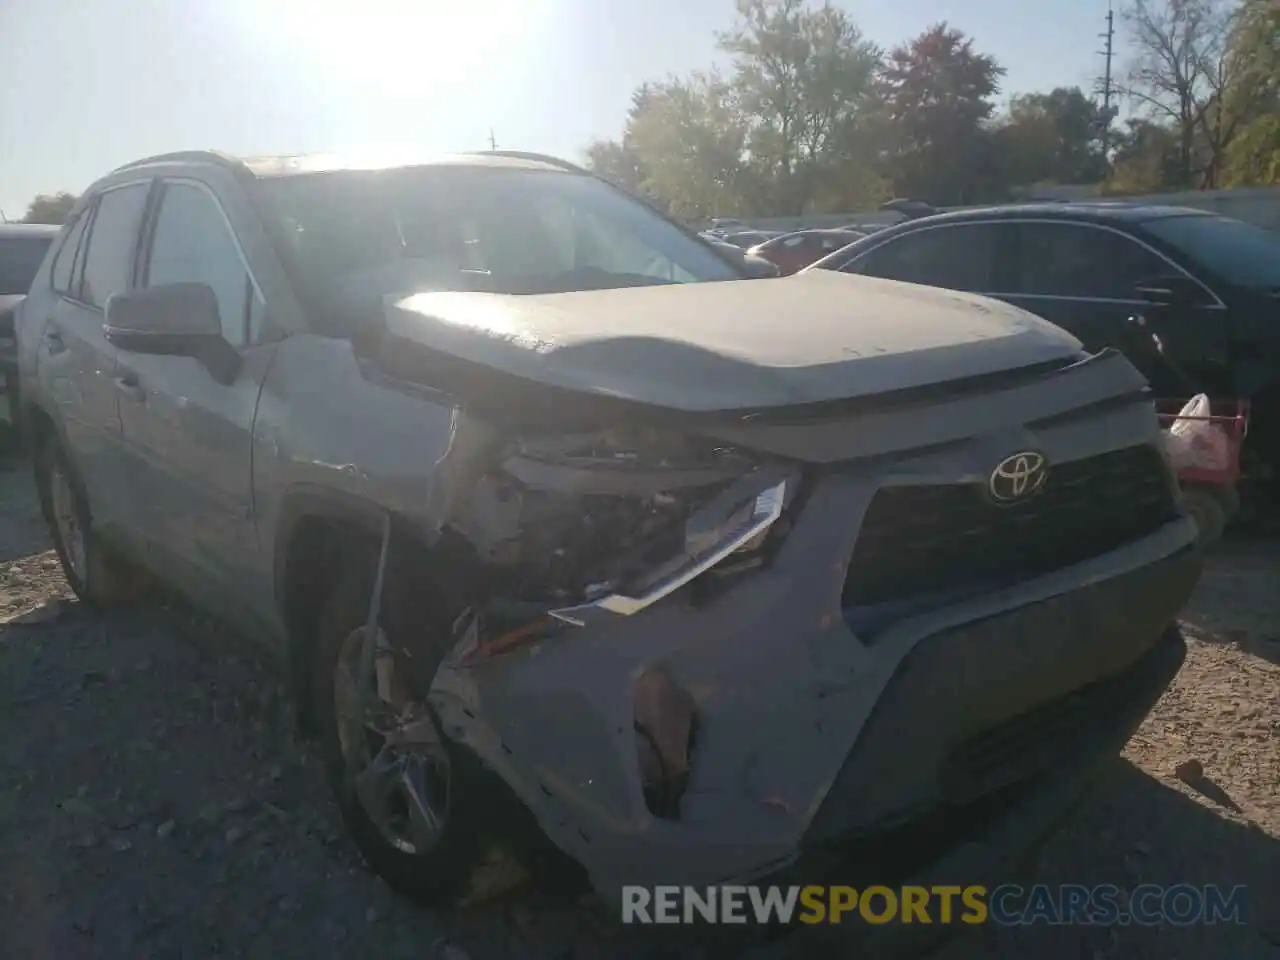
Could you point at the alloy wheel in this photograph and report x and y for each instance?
(395, 759)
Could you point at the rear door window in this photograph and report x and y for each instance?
(1083, 261)
(108, 263)
(66, 279)
(960, 257)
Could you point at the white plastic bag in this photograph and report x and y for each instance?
(1197, 443)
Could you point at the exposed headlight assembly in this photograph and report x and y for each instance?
(607, 524)
(744, 529)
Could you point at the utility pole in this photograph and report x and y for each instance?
(1107, 90)
(493, 144)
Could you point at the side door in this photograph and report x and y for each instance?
(962, 256)
(1083, 277)
(76, 365)
(190, 437)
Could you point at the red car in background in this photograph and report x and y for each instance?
(794, 251)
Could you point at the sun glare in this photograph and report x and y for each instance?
(395, 47)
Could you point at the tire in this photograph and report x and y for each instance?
(1206, 508)
(437, 873)
(1229, 497)
(98, 575)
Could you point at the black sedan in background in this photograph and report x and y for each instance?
(1207, 286)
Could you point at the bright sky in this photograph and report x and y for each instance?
(93, 84)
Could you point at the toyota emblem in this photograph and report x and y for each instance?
(1018, 477)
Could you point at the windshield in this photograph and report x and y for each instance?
(1238, 252)
(20, 259)
(496, 229)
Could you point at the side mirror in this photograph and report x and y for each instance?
(1174, 290)
(172, 320)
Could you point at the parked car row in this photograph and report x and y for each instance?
(793, 251)
(1207, 286)
(559, 524)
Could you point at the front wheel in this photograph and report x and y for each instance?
(400, 784)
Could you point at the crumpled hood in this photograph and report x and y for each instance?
(808, 338)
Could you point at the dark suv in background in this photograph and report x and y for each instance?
(1208, 286)
(22, 249)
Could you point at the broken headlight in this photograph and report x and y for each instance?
(606, 524)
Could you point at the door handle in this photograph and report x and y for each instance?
(53, 341)
(128, 385)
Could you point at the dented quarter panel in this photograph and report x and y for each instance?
(377, 445)
(782, 685)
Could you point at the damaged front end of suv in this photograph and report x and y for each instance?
(575, 532)
(707, 643)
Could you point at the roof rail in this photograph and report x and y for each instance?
(195, 156)
(538, 157)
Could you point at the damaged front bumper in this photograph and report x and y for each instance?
(802, 727)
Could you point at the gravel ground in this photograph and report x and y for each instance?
(154, 803)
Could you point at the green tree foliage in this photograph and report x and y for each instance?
(1052, 138)
(690, 138)
(50, 208)
(804, 82)
(810, 116)
(784, 130)
(1147, 159)
(1253, 157)
(1206, 69)
(618, 160)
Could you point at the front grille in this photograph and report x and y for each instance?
(926, 539)
(1049, 735)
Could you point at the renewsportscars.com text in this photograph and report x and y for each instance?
(1006, 905)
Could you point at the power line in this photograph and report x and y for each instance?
(1107, 88)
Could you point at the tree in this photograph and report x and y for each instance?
(688, 140)
(936, 91)
(1186, 72)
(618, 161)
(783, 131)
(1147, 158)
(50, 208)
(804, 82)
(1253, 157)
(1052, 137)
